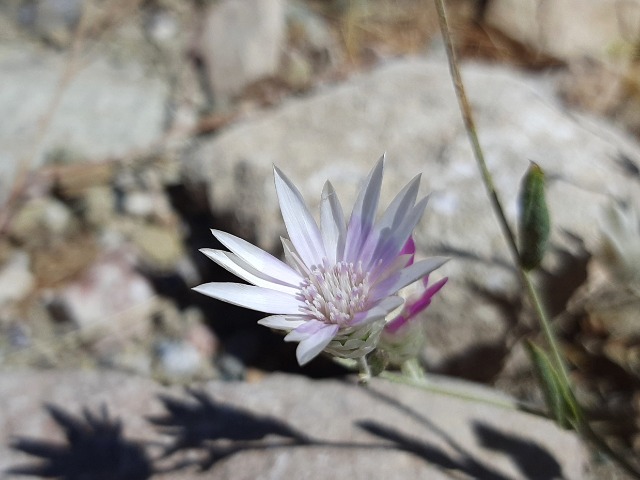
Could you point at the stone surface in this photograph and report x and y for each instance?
(408, 109)
(16, 279)
(352, 430)
(240, 42)
(110, 295)
(568, 29)
(106, 110)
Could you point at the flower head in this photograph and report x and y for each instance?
(340, 280)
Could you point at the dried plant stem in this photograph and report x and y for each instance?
(582, 425)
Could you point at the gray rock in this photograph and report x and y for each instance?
(53, 20)
(408, 109)
(568, 29)
(107, 110)
(16, 279)
(241, 41)
(449, 437)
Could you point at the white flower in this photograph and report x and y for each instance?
(340, 281)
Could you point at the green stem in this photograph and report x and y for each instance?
(433, 387)
(583, 427)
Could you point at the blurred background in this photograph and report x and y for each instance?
(103, 207)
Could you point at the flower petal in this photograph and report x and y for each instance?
(258, 258)
(425, 299)
(302, 228)
(364, 212)
(281, 322)
(255, 298)
(242, 269)
(394, 239)
(332, 224)
(310, 347)
(309, 327)
(392, 218)
(406, 276)
(381, 310)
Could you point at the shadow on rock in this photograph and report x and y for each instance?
(531, 459)
(94, 448)
(199, 422)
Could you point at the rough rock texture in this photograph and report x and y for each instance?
(568, 28)
(408, 109)
(106, 109)
(241, 42)
(352, 430)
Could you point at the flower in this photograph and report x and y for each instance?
(403, 337)
(340, 281)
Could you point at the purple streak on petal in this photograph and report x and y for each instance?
(381, 310)
(302, 228)
(303, 331)
(332, 224)
(406, 276)
(364, 212)
(391, 220)
(389, 247)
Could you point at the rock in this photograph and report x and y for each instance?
(16, 279)
(42, 221)
(408, 108)
(111, 295)
(178, 360)
(384, 431)
(240, 43)
(53, 20)
(568, 29)
(106, 110)
(310, 36)
(160, 248)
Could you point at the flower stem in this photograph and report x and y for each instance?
(582, 426)
(435, 387)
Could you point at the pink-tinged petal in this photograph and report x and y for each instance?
(242, 269)
(409, 249)
(381, 310)
(309, 327)
(364, 212)
(310, 347)
(255, 298)
(425, 299)
(332, 224)
(396, 324)
(302, 228)
(406, 276)
(281, 322)
(258, 258)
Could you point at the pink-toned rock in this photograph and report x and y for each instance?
(110, 294)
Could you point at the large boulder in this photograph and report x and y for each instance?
(408, 109)
(281, 427)
(568, 29)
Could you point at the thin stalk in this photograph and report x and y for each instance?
(423, 384)
(582, 426)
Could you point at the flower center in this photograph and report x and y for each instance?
(334, 294)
